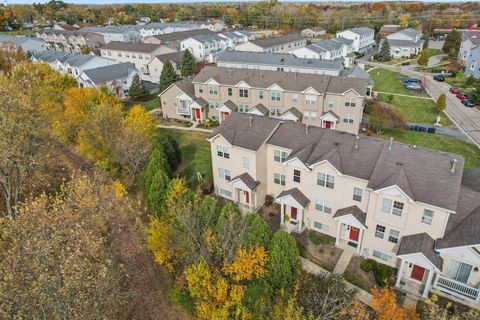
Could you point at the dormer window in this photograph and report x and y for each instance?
(392, 207)
(213, 90)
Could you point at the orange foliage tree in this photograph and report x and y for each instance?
(384, 303)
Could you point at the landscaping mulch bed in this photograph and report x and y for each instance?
(325, 254)
(364, 280)
(271, 214)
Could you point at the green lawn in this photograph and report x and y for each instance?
(416, 110)
(196, 157)
(459, 81)
(149, 105)
(389, 81)
(433, 52)
(438, 142)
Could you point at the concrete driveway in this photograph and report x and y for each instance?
(434, 60)
(466, 119)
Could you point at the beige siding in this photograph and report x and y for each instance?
(169, 103)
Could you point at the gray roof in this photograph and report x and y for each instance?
(295, 112)
(201, 102)
(73, 59)
(296, 194)
(233, 35)
(357, 72)
(354, 211)
(162, 26)
(410, 32)
(402, 43)
(186, 86)
(287, 80)
(51, 56)
(230, 105)
(361, 30)
(208, 38)
(420, 243)
(111, 72)
(236, 129)
(471, 179)
(270, 42)
(181, 35)
(176, 57)
(474, 36)
(423, 173)
(110, 29)
(466, 233)
(277, 59)
(261, 108)
(248, 180)
(132, 47)
(245, 33)
(18, 39)
(328, 45)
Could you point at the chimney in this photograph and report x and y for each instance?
(390, 144)
(357, 138)
(295, 75)
(306, 129)
(250, 119)
(452, 165)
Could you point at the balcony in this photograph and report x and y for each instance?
(455, 288)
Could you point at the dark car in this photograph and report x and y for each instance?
(454, 90)
(468, 103)
(439, 78)
(462, 96)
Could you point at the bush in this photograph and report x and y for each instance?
(382, 274)
(368, 265)
(182, 299)
(470, 80)
(318, 238)
(210, 124)
(170, 148)
(268, 200)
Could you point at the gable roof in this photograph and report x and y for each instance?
(206, 38)
(471, 179)
(361, 30)
(131, 47)
(295, 112)
(420, 243)
(163, 26)
(270, 42)
(247, 179)
(111, 72)
(466, 233)
(261, 108)
(410, 32)
(354, 211)
(287, 80)
(172, 56)
(296, 194)
(181, 35)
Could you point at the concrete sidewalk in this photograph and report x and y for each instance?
(343, 262)
(185, 128)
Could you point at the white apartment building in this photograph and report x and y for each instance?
(363, 38)
(157, 28)
(206, 47)
(282, 44)
(405, 43)
(338, 48)
(411, 208)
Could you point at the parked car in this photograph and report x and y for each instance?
(406, 63)
(468, 103)
(413, 86)
(439, 78)
(454, 90)
(408, 80)
(462, 96)
(438, 71)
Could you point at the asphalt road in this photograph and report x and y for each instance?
(466, 119)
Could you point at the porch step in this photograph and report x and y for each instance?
(343, 262)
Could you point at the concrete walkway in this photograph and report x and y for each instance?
(403, 95)
(435, 60)
(343, 262)
(310, 267)
(185, 128)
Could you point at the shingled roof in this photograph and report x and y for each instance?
(177, 36)
(247, 179)
(296, 194)
(292, 81)
(354, 211)
(270, 42)
(131, 47)
(420, 243)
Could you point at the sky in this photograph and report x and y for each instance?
(186, 1)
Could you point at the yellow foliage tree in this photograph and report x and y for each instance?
(384, 304)
(160, 235)
(77, 103)
(249, 263)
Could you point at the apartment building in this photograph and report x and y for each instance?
(282, 44)
(278, 62)
(405, 43)
(332, 49)
(407, 207)
(156, 28)
(123, 33)
(155, 66)
(139, 54)
(320, 100)
(70, 41)
(27, 44)
(313, 32)
(470, 39)
(363, 38)
(173, 40)
(472, 63)
(206, 47)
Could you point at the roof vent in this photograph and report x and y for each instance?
(390, 144)
(357, 138)
(452, 165)
(306, 129)
(250, 119)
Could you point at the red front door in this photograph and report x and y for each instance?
(417, 273)
(354, 233)
(293, 213)
(197, 114)
(247, 197)
(328, 124)
(225, 115)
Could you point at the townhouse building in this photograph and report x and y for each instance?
(278, 62)
(282, 44)
(407, 207)
(155, 66)
(388, 29)
(470, 39)
(313, 32)
(27, 44)
(156, 28)
(332, 49)
(69, 41)
(206, 47)
(123, 33)
(213, 25)
(472, 63)
(363, 38)
(320, 100)
(139, 54)
(405, 43)
(173, 40)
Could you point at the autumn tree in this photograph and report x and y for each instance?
(441, 103)
(168, 76)
(10, 56)
(423, 58)
(188, 64)
(384, 303)
(431, 310)
(383, 116)
(55, 259)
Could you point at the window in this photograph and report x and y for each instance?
(275, 112)
(394, 235)
(127, 55)
(295, 98)
(200, 89)
(223, 152)
(279, 156)
(330, 104)
(357, 194)
(246, 163)
(459, 271)
(140, 56)
(312, 116)
(326, 180)
(349, 103)
(260, 94)
(323, 206)
(134, 56)
(119, 54)
(279, 179)
(310, 100)
(109, 53)
(243, 108)
(393, 207)
(225, 193)
(349, 118)
(275, 96)
(230, 91)
(224, 174)
(214, 104)
(321, 226)
(212, 90)
(243, 93)
(296, 175)
(382, 256)
(379, 231)
(427, 216)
